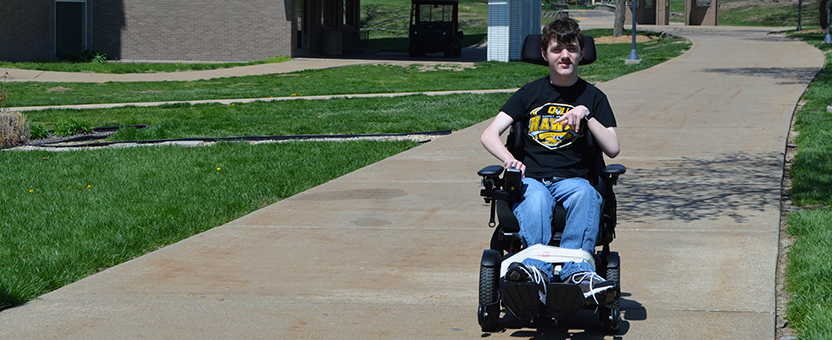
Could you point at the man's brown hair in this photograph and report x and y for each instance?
(564, 30)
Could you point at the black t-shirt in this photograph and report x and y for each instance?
(554, 150)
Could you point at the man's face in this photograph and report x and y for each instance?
(563, 58)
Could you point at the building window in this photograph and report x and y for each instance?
(703, 3)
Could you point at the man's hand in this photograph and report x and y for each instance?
(572, 118)
(515, 164)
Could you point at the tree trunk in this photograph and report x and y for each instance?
(618, 24)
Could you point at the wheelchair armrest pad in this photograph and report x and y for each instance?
(491, 170)
(614, 169)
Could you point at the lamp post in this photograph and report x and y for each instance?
(799, 11)
(633, 57)
(828, 38)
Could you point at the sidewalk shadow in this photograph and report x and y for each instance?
(583, 326)
(786, 75)
(696, 189)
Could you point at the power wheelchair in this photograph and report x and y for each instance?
(501, 188)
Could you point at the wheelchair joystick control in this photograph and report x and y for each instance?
(513, 182)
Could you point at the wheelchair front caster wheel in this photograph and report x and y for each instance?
(613, 322)
(488, 313)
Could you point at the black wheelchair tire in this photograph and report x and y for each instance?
(489, 296)
(612, 314)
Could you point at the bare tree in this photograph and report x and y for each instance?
(618, 25)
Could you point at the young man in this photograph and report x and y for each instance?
(553, 111)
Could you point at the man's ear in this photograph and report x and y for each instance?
(581, 57)
(543, 53)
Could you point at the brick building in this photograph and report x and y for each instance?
(177, 30)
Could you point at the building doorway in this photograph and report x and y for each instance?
(70, 26)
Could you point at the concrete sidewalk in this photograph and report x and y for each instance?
(470, 55)
(392, 250)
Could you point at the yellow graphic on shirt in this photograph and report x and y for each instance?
(544, 130)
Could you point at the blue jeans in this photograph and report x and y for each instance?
(583, 212)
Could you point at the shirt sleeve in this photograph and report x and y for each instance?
(515, 106)
(603, 111)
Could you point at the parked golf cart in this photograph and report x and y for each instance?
(434, 27)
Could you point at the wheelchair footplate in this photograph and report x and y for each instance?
(564, 299)
(523, 299)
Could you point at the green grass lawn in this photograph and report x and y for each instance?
(810, 271)
(344, 80)
(764, 13)
(341, 116)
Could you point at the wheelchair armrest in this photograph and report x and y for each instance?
(490, 171)
(508, 188)
(613, 170)
(490, 181)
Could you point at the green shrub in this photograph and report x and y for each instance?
(72, 126)
(99, 58)
(38, 131)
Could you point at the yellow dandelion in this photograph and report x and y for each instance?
(31, 190)
(89, 186)
(218, 169)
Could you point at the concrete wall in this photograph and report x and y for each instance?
(26, 30)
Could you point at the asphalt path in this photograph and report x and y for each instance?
(392, 250)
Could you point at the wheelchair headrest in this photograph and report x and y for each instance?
(531, 50)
